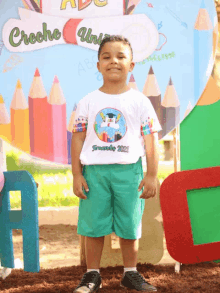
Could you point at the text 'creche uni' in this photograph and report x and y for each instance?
(47, 35)
(39, 37)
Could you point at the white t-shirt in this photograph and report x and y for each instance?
(115, 125)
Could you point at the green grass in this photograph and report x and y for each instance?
(55, 185)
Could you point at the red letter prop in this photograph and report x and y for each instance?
(190, 208)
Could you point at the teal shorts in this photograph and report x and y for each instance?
(113, 203)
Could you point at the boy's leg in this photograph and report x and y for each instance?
(91, 280)
(94, 247)
(128, 211)
(129, 249)
(132, 278)
(95, 213)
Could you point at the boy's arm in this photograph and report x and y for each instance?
(150, 180)
(151, 148)
(78, 139)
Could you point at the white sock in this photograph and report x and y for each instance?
(89, 270)
(129, 269)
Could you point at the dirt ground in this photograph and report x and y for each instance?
(59, 246)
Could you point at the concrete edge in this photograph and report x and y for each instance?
(58, 215)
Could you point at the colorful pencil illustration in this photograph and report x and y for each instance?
(20, 120)
(35, 5)
(38, 119)
(37, 2)
(170, 109)
(57, 123)
(105, 136)
(132, 83)
(32, 5)
(118, 117)
(29, 4)
(69, 133)
(203, 50)
(152, 91)
(103, 116)
(117, 136)
(25, 4)
(96, 127)
(132, 4)
(5, 123)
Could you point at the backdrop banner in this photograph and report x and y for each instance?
(48, 54)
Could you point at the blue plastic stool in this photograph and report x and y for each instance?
(25, 219)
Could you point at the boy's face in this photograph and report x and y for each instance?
(115, 61)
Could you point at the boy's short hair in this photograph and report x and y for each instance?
(114, 38)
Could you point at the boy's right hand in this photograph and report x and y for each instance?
(78, 185)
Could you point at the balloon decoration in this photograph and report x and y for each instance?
(48, 53)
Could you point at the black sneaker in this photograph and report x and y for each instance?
(91, 282)
(133, 280)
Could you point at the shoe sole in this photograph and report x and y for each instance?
(124, 287)
(96, 290)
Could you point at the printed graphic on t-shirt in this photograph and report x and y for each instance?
(110, 125)
(147, 126)
(80, 124)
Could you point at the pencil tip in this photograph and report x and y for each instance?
(56, 80)
(170, 82)
(37, 73)
(151, 71)
(18, 84)
(132, 78)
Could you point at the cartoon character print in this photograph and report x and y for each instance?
(110, 125)
(110, 120)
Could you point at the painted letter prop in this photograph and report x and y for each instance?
(25, 219)
(190, 202)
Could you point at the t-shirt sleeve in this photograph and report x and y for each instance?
(149, 119)
(81, 117)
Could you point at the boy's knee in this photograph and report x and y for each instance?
(95, 238)
(127, 240)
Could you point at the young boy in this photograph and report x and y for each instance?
(112, 124)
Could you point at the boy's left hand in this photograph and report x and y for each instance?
(149, 183)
